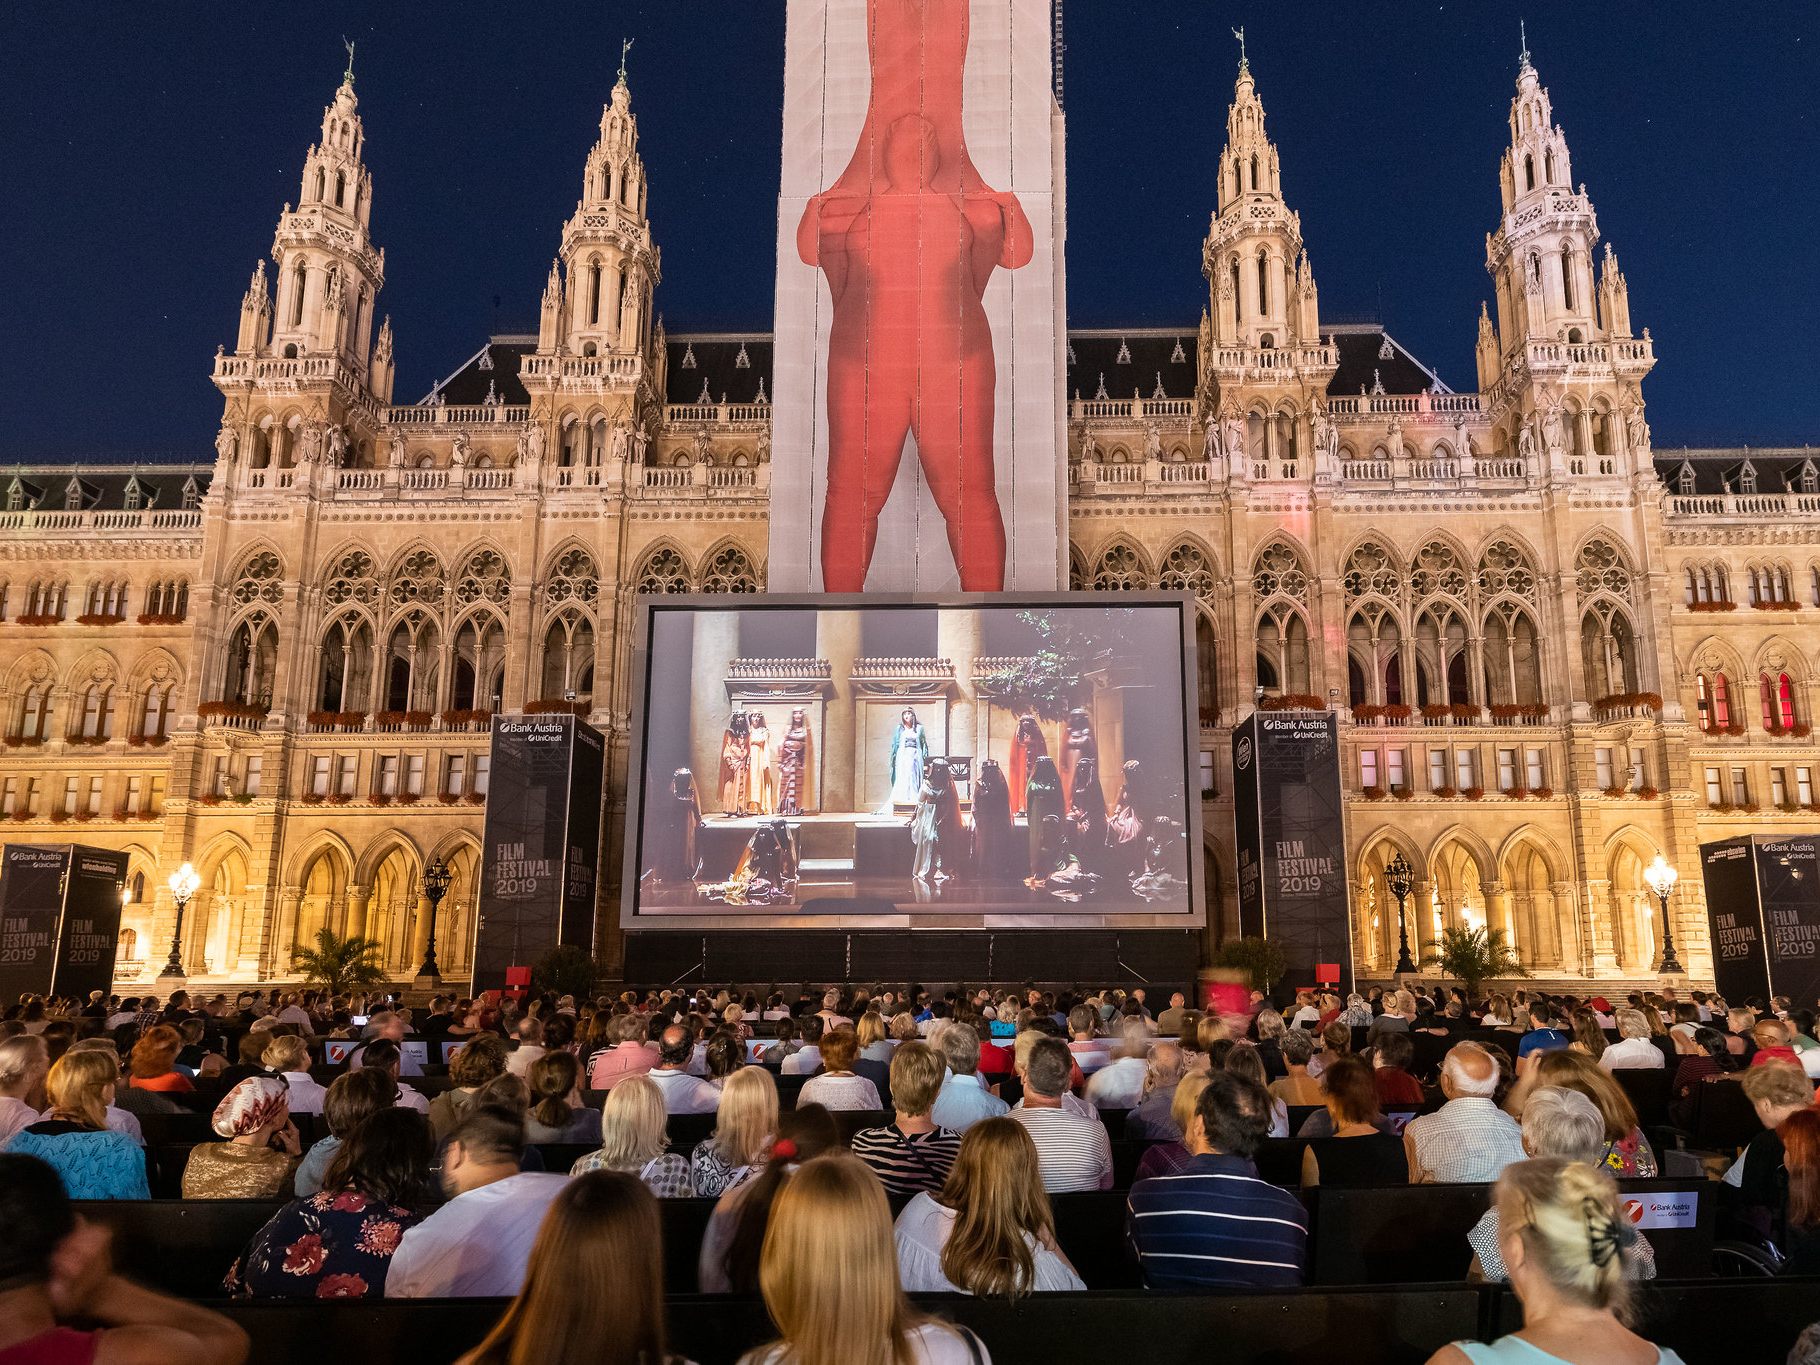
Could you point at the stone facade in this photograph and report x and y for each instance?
(1554, 651)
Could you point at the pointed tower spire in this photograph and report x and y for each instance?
(1523, 63)
(625, 47)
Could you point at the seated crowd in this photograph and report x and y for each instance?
(532, 1169)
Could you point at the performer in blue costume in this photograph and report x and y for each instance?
(909, 756)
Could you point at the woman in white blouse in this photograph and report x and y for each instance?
(990, 1233)
(289, 1056)
(837, 1087)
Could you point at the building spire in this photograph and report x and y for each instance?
(347, 76)
(1244, 65)
(1524, 63)
(625, 46)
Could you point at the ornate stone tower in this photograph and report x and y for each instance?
(1264, 367)
(1560, 370)
(306, 378)
(595, 329)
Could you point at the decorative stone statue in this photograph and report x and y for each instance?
(764, 444)
(1153, 442)
(1090, 448)
(1326, 435)
(618, 441)
(641, 441)
(533, 443)
(226, 443)
(309, 444)
(395, 451)
(1232, 429)
(458, 452)
(338, 447)
(1526, 446)
(1552, 430)
(1210, 444)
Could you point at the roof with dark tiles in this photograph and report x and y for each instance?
(1725, 471)
(102, 488)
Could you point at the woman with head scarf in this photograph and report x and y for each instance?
(261, 1151)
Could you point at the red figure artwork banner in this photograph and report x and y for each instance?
(918, 299)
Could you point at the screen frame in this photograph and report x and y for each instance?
(645, 605)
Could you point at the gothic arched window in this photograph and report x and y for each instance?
(663, 572)
(730, 570)
(1119, 569)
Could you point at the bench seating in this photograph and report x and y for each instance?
(1704, 1321)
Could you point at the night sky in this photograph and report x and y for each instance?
(149, 148)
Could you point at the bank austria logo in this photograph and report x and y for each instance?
(1244, 755)
(1678, 1210)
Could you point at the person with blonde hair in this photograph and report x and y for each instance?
(288, 1057)
(743, 1128)
(829, 1277)
(73, 1138)
(990, 1231)
(911, 1153)
(632, 1139)
(1635, 1048)
(594, 1288)
(24, 1063)
(1567, 1246)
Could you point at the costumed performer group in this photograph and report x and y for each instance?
(752, 782)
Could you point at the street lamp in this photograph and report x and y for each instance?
(1662, 877)
(436, 881)
(1400, 879)
(183, 884)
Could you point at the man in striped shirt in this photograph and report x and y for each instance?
(1074, 1153)
(1215, 1224)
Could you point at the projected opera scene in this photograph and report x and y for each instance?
(881, 760)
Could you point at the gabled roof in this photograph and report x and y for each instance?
(1722, 471)
(104, 487)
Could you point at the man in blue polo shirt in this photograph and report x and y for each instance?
(1543, 1035)
(1215, 1223)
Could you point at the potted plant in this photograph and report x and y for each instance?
(1475, 956)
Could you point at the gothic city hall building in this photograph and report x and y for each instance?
(1553, 651)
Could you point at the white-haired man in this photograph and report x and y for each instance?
(1468, 1140)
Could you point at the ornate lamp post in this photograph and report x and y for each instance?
(1400, 879)
(1662, 877)
(436, 879)
(183, 883)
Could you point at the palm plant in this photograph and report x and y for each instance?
(341, 965)
(1262, 960)
(1475, 956)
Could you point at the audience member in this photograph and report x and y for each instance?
(1566, 1244)
(836, 1086)
(24, 1063)
(1075, 1153)
(259, 1158)
(1390, 1061)
(627, 1056)
(786, 1046)
(476, 1245)
(632, 1140)
(480, 1060)
(1556, 1123)
(522, 1058)
(728, 1262)
(94, 1161)
(1777, 1093)
(1297, 1087)
(557, 1113)
(1216, 1223)
(153, 1063)
(1242, 1059)
(806, 1058)
(1120, 1084)
(681, 1092)
(1627, 1152)
(1635, 1048)
(593, 1290)
(351, 1097)
(1369, 1156)
(830, 1279)
(1169, 1022)
(1168, 1157)
(54, 1268)
(1469, 1139)
(288, 1057)
(743, 1127)
(1149, 1119)
(1544, 1035)
(964, 1099)
(911, 1153)
(1091, 1051)
(1771, 1037)
(382, 1054)
(1589, 1035)
(338, 1243)
(990, 1231)
(875, 1048)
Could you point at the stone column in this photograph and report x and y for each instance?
(420, 934)
(1497, 912)
(359, 900)
(837, 639)
(716, 643)
(284, 933)
(1419, 912)
(958, 640)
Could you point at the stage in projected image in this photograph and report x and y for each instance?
(990, 761)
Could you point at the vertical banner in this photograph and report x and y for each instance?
(540, 855)
(1788, 889)
(1735, 920)
(918, 422)
(1292, 840)
(31, 902)
(89, 936)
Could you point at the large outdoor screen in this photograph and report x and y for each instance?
(983, 761)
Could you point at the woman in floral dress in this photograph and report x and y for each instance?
(338, 1243)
